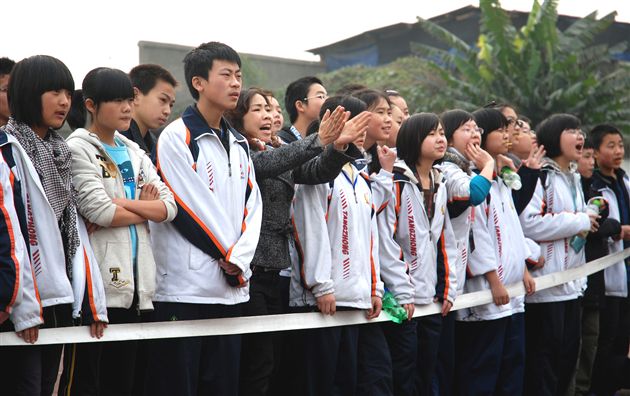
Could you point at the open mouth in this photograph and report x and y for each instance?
(266, 128)
(579, 147)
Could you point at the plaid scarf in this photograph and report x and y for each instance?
(52, 160)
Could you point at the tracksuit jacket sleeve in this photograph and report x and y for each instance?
(92, 200)
(87, 284)
(482, 252)
(166, 195)
(310, 209)
(323, 168)
(534, 253)
(382, 185)
(542, 226)
(242, 252)
(446, 288)
(394, 270)
(17, 286)
(375, 262)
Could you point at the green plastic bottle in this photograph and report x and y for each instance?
(392, 309)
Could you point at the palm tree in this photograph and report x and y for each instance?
(538, 68)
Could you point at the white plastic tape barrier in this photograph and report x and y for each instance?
(260, 324)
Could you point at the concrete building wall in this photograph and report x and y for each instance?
(265, 71)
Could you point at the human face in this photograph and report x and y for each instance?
(151, 111)
(222, 87)
(522, 146)
(400, 102)
(257, 121)
(467, 133)
(309, 106)
(5, 113)
(397, 120)
(55, 107)
(276, 115)
(111, 116)
(514, 125)
(571, 143)
(434, 145)
(497, 142)
(586, 163)
(610, 153)
(380, 123)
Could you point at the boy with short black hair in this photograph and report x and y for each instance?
(611, 182)
(203, 257)
(154, 97)
(303, 100)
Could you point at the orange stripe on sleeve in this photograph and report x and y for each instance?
(90, 289)
(446, 267)
(373, 268)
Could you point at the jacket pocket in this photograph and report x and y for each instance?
(116, 268)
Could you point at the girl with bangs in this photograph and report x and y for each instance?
(417, 251)
(39, 96)
(118, 193)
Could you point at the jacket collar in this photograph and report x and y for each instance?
(403, 173)
(457, 158)
(198, 126)
(601, 181)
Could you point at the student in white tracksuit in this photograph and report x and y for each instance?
(555, 218)
(60, 254)
(338, 267)
(490, 338)
(465, 190)
(203, 256)
(418, 251)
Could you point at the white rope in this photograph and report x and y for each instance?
(260, 324)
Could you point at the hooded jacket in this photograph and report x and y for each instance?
(553, 217)
(337, 241)
(418, 254)
(97, 181)
(45, 247)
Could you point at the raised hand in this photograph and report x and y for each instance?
(386, 157)
(353, 129)
(534, 161)
(331, 125)
(478, 156)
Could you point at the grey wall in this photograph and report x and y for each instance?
(264, 71)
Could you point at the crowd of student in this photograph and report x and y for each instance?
(230, 213)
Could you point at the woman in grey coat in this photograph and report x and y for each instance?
(314, 160)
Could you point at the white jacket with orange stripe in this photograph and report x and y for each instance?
(555, 214)
(417, 251)
(46, 248)
(503, 249)
(219, 213)
(337, 241)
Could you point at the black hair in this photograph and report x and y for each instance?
(350, 88)
(588, 143)
(6, 65)
(372, 96)
(412, 133)
(145, 77)
(549, 130)
(597, 134)
(452, 120)
(30, 79)
(505, 105)
(350, 103)
(526, 119)
(104, 84)
(489, 119)
(199, 61)
(77, 116)
(298, 90)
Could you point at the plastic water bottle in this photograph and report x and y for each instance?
(392, 309)
(595, 205)
(511, 178)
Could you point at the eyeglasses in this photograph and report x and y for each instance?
(574, 131)
(512, 121)
(471, 130)
(318, 96)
